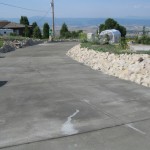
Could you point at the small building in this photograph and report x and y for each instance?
(114, 35)
(17, 28)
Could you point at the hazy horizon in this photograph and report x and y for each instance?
(83, 22)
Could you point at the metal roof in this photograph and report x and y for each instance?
(3, 23)
(13, 25)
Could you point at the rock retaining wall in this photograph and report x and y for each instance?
(133, 67)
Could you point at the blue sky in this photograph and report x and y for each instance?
(78, 8)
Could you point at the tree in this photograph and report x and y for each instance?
(37, 32)
(122, 30)
(27, 31)
(46, 31)
(112, 24)
(34, 24)
(64, 32)
(24, 20)
(101, 28)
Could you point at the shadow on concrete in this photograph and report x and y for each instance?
(2, 83)
(2, 56)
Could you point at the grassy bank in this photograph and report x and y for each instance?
(110, 48)
(104, 48)
(1, 43)
(12, 38)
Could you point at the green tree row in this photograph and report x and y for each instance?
(34, 30)
(65, 33)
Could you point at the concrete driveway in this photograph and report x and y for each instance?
(139, 47)
(49, 101)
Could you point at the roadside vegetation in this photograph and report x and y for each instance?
(111, 48)
(66, 34)
(1, 42)
(104, 48)
(12, 38)
(112, 24)
(143, 39)
(119, 48)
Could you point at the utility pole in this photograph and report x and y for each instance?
(53, 19)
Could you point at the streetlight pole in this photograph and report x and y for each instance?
(53, 19)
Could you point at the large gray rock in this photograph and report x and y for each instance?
(8, 47)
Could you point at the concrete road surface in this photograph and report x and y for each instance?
(139, 47)
(50, 102)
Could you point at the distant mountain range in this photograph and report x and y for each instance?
(84, 22)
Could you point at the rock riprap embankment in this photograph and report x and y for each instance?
(9, 46)
(133, 67)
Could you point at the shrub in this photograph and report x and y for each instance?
(143, 40)
(76, 34)
(13, 34)
(37, 32)
(65, 33)
(83, 37)
(1, 43)
(123, 43)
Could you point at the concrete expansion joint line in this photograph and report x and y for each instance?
(65, 136)
(123, 122)
(102, 110)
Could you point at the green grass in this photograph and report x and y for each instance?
(110, 48)
(1, 43)
(11, 38)
(104, 48)
(143, 52)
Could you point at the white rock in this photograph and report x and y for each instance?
(123, 66)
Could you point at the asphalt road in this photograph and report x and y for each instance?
(50, 102)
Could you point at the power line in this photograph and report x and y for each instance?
(10, 5)
(41, 18)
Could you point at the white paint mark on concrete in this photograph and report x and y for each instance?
(132, 127)
(68, 127)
